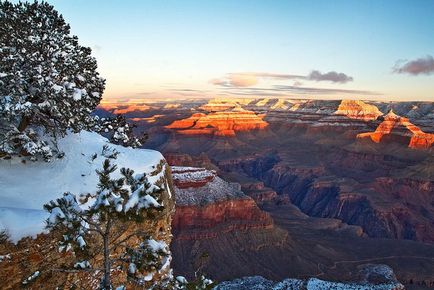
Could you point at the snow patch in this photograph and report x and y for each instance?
(25, 188)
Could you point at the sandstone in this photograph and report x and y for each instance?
(191, 177)
(119, 108)
(221, 123)
(207, 205)
(400, 129)
(182, 159)
(358, 110)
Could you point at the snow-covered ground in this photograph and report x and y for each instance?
(260, 283)
(26, 187)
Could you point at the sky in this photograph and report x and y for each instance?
(381, 50)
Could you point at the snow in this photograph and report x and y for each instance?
(21, 222)
(82, 265)
(260, 283)
(317, 284)
(5, 257)
(140, 201)
(31, 278)
(169, 191)
(132, 268)
(57, 88)
(213, 191)
(81, 242)
(77, 94)
(25, 188)
(157, 245)
(165, 264)
(191, 173)
(148, 277)
(181, 279)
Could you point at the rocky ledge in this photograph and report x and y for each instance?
(371, 276)
(207, 205)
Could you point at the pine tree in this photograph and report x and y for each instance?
(119, 131)
(124, 200)
(48, 81)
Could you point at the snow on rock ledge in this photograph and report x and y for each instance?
(199, 186)
(260, 283)
(25, 188)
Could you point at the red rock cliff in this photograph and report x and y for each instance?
(207, 205)
(225, 123)
(399, 128)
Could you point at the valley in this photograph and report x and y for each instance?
(320, 198)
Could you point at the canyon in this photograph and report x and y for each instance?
(400, 129)
(315, 170)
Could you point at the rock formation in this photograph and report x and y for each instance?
(335, 184)
(221, 123)
(383, 207)
(372, 277)
(120, 108)
(205, 202)
(358, 110)
(182, 159)
(400, 129)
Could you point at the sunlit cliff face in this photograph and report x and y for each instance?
(225, 123)
(204, 201)
(394, 125)
(123, 108)
(226, 117)
(358, 110)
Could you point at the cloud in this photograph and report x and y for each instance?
(423, 65)
(277, 76)
(218, 82)
(249, 79)
(237, 80)
(331, 76)
(282, 90)
(323, 91)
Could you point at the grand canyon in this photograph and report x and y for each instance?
(297, 188)
(216, 145)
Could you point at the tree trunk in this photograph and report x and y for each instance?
(106, 281)
(25, 121)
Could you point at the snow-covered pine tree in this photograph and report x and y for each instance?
(119, 131)
(48, 81)
(103, 215)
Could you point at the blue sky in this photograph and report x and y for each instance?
(154, 49)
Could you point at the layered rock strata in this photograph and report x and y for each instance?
(207, 205)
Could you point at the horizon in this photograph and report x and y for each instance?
(217, 144)
(173, 50)
(120, 100)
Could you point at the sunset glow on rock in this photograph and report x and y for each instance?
(394, 125)
(226, 123)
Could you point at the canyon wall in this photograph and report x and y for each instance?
(377, 206)
(206, 205)
(221, 123)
